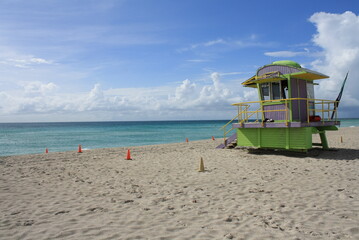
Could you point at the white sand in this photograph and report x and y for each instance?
(160, 195)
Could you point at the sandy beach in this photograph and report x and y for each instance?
(159, 194)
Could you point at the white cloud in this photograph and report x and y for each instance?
(284, 54)
(215, 94)
(306, 52)
(192, 97)
(251, 41)
(234, 73)
(214, 42)
(338, 36)
(251, 95)
(185, 91)
(203, 44)
(39, 60)
(208, 44)
(21, 61)
(38, 87)
(197, 60)
(188, 100)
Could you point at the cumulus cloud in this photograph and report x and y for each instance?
(185, 91)
(214, 93)
(338, 37)
(95, 99)
(186, 100)
(38, 87)
(194, 97)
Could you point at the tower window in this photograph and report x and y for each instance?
(274, 90)
(265, 91)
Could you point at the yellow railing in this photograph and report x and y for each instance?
(313, 106)
(324, 107)
(259, 111)
(240, 112)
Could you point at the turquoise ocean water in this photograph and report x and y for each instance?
(25, 138)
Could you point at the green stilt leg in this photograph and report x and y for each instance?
(323, 139)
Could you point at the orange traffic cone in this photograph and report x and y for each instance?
(80, 149)
(128, 155)
(46, 150)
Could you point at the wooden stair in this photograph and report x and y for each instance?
(230, 142)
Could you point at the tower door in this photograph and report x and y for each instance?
(310, 95)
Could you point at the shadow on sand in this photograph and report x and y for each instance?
(331, 154)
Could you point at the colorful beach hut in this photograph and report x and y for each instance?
(287, 113)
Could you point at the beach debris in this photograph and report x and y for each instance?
(229, 236)
(128, 201)
(29, 222)
(80, 149)
(97, 209)
(201, 166)
(46, 150)
(229, 219)
(341, 139)
(61, 212)
(79, 180)
(128, 157)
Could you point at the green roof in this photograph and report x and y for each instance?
(300, 73)
(287, 63)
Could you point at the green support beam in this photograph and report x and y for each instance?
(323, 139)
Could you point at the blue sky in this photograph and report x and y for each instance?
(162, 60)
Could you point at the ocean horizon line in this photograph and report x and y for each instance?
(114, 121)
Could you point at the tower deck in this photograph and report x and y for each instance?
(285, 124)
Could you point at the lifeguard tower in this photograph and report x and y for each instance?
(287, 114)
